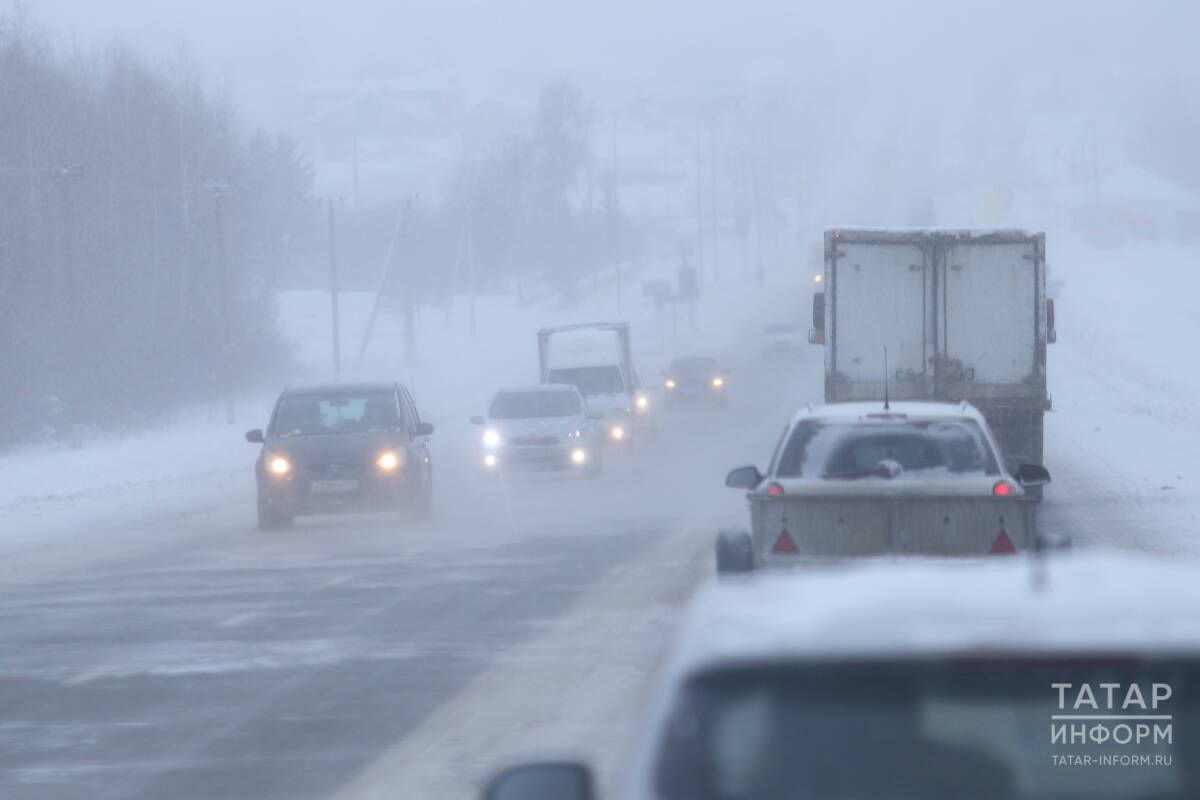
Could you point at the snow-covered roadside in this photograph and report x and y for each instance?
(57, 491)
(1125, 376)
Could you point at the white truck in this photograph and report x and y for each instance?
(595, 357)
(962, 315)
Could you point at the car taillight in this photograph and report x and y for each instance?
(1003, 546)
(774, 490)
(1002, 489)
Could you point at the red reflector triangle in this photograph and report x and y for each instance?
(785, 543)
(1003, 545)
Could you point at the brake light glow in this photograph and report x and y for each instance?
(1001, 489)
(774, 490)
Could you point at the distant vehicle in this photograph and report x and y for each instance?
(783, 339)
(597, 359)
(859, 479)
(645, 408)
(698, 379)
(883, 681)
(547, 426)
(342, 447)
(963, 315)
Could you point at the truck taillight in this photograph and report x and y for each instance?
(774, 490)
(1002, 489)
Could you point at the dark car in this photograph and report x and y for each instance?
(698, 379)
(342, 447)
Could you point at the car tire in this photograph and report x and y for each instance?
(269, 517)
(735, 553)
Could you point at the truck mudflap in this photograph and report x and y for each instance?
(790, 528)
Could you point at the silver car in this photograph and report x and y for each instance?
(860, 479)
(542, 427)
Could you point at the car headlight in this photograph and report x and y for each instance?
(278, 465)
(818, 278)
(718, 382)
(670, 383)
(390, 460)
(578, 455)
(491, 438)
(641, 402)
(489, 460)
(617, 432)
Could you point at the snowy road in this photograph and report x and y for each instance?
(193, 656)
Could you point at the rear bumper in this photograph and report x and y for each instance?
(791, 529)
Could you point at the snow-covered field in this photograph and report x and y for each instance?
(1123, 437)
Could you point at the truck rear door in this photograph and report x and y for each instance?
(988, 310)
(878, 300)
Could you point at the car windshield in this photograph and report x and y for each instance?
(310, 415)
(972, 729)
(590, 380)
(863, 449)
(530, 405)
(693, 366)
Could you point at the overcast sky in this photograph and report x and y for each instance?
(266, 51)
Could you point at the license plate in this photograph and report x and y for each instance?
(334, 487)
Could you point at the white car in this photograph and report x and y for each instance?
(542, 427)
(854, 479)
(784, 339)
(1008, 679)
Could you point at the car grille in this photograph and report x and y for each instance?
(333, 471)
(534, 441)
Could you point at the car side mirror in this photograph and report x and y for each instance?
(744, 478)
(255, 436)
(424, 429)
(1032, 475)
(545, 781)
(595, 415)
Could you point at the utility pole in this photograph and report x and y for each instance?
(712, 184)
(615, 211)
(219, 189)
(699, 203)
(471, 266)
(74, 339)
(333, 296)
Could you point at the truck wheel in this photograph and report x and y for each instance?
(735, 553)
(269, 517)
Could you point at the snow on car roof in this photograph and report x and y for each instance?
(1112, 602)
(859, 411)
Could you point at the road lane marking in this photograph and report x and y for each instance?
(84, 678)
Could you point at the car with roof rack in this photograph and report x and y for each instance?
(862, 479)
